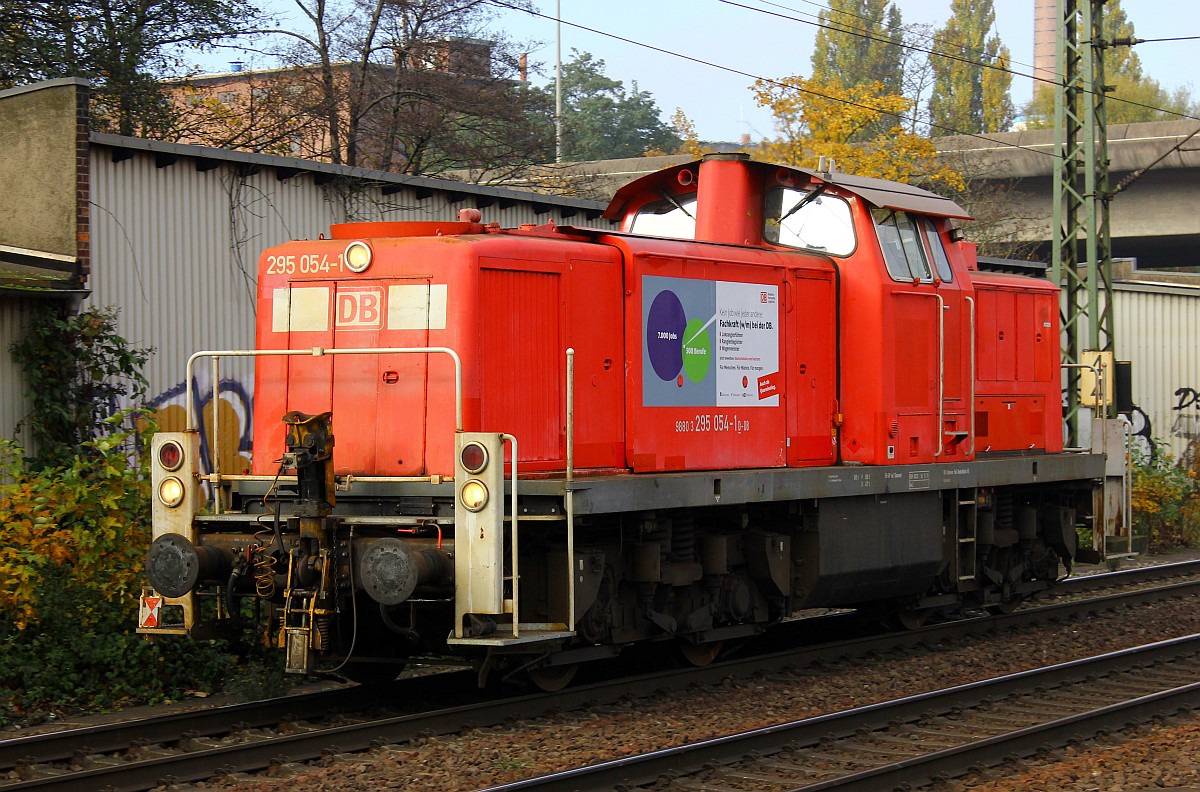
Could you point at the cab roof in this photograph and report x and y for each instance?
(878, 192)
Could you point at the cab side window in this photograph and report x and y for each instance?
(903, 251)
(933, 244)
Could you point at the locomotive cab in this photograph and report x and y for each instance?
(930, 350)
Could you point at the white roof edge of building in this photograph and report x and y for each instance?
(276, 161)
(43, 85)
(1180, 289)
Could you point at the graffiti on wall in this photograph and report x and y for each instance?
(234, 418)
(1143, 434)
(1186, 422)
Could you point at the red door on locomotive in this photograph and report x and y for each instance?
(926, 343)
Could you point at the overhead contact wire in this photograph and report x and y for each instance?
(766, 80)
(863, 33)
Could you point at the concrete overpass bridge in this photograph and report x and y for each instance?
(1156, 220)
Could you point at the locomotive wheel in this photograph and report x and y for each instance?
(372, 673)
(551, 679)
(1006, 607)
(699, 655)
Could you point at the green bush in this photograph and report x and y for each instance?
(78, 531)
(74, 529)
(72, 544)
(1166, 501)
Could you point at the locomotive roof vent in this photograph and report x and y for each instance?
(726, 156)
(729, 207)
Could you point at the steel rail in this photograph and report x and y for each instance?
(65, 744)
(634, 771)
(1127, 576)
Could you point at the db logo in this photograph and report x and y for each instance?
(359, 308)
(762, 296)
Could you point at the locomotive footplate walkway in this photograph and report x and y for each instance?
(682, 490)
(529, 633)
(608, 494)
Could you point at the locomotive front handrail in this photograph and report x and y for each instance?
(941, 424)
(343, 481)
(319, 352)
(516, 575)
(971, 381)
(217, 354)
(569, 494)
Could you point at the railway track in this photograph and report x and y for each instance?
(178, 748)
(919, 739)
(1146, 574)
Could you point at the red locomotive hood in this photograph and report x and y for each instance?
(403, 229)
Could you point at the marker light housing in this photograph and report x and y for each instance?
(474, 495)
(170, 455)
(171, 492)
(473, 457)
(357, 256)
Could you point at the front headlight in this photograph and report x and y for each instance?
(357, 256)
(170, 491)
(474, 495)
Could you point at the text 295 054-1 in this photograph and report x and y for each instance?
(304, 264)
(714, 422)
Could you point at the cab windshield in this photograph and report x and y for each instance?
(673, 217)
(809, 219)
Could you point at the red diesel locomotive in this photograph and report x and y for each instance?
(773, 389)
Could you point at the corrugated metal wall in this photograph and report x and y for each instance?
(176, 248)
(15, 315)
(1157, 328)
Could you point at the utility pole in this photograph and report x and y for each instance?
(1082, 197)
(558, 82)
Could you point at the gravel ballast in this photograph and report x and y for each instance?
(520, 749)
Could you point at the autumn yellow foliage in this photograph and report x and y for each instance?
(1166, 500)
(689, 141)
(83, 529)
(859, 127)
